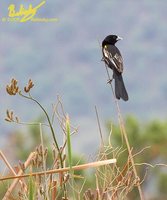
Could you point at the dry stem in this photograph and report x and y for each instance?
(11, 169)
(61, 170)
(123, 131)
(13, 185)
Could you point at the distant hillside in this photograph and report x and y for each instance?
(64, 58)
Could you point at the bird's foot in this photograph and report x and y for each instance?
(110, 81)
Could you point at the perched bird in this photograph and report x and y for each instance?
(113, 59)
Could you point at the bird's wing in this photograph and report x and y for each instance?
(118, 62)
(114, 56)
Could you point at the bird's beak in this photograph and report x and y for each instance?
(119, 38)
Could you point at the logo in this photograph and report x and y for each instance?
(26, 14)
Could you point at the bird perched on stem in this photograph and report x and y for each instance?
(113, 59)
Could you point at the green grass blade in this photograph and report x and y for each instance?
(31, 189)
(69, 141)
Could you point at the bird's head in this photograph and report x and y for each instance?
(110, 40)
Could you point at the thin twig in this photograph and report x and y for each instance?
(43, 158)
(100, 131)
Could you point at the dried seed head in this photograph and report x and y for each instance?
(10, 117)
(54, 153)
(29, 86)
(12, 88)
(22, 166)
(17, 119)
(64, 157)
(46, 152)
(66, 177)
(41, 190)
(39, 159)
(65, 198)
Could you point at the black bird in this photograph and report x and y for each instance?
(113, 59)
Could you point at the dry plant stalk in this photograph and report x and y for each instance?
(124, 133)
(13, 89)
(113, 182)
(23, 185)
(13, 185)
(61, 170)
(54, 190)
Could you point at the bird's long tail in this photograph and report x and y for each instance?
(120, 90)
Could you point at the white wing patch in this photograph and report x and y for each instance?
(119, 58)
(119, 62)
(116, 60)
(105, 52)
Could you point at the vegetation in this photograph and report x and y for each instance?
(150, 139)
(49, 170)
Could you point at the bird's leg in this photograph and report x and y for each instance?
(104, 59)
(110, 81)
